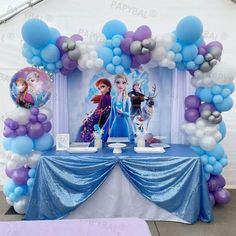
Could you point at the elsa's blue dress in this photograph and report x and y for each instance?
(120, 124)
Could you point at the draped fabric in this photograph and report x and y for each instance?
(58, 104)
(173, 180)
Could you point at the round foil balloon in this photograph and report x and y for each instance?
(30, 87)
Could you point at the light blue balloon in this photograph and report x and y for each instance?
(197, 150)
(116, 60)
(50, 53)
(44, 143)
(117, 51)
(226, 92)
(116, 42)
(108, 44)
(35, 51)
(180, 66)
(216, 89)
(7, 143)
(230, 86)
(110, 68)
(51, 67)
(30, 182)
(9, 187)
(218, 152)
(191, 65)
(189, 29)
(204, 159)
(217, 168)
(199, 59)
(189, 52)
(36, 33)
(177, 47)
(224, 162)
(59, 64)
(207, 176)
(36, 60)
(119, 69)
(226, 105)
(31, 173)
(54, 35)
(12, 197)
(208, 168)
(125, 61)
(222, 129)
(205, 95)
(114, 27)
(27, 53)
(211, 160)
(218, 99)
(20, 191)
(200, 42)
(22, 145)
(105, 54)
(178, 57)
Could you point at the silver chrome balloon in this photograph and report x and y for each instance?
(136, 48)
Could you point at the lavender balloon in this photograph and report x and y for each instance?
(42, 117)
(35, 130)
(214, 44)
(191, 114)
(143, 58)
(9, 172)
(33, 118)
(47, 126)
(202, 51)
(68, 63)
(192, 101)
(20, 175)
(34, 111)
(222, 196)
(125, 45)
(64, 71)
(129, 34)
(142, 32)
(216, 182)
(76, 37)
(22, 130)
(8, 132)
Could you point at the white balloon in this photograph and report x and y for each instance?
(200, 123)
(9, 202)
(89, 64)
(223, 73)
(33, 159)
(21, 115)
(193, 140)
(93, 55)
(218, 136)
(47, 111)
(199, 133)
(190, 129)
(207, 143)
(99, 63)
(19, 206)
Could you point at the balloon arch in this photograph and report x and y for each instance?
(26, 132)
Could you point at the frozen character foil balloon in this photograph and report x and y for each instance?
(100, 114)
(30, 87)
(119, 120)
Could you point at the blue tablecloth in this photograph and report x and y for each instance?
(174, 180)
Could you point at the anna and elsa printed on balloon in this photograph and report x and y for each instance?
(30, 87)
(119, 106)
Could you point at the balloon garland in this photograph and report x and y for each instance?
(26, 132)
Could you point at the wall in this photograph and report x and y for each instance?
(87, 18)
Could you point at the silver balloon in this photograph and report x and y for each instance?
(213, 62)
(136, 48)
(215, 52)
(208, 57)
(71, 45)
(65, 46)
(216, 113)
(149, 43)
(212, 117)
(205, 67)
(74, 54)
(205, 114)
(145, 50)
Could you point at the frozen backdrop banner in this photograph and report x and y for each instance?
(123, 65)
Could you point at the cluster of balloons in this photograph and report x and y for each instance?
(40, 45)
(218, 194)
(138, 45)
(219, 95)
(23, 151)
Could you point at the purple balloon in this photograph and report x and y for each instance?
(76, 37)
(142, 32)
(8, 122)
(64, 71)
(60, 41)
(8, 132)
(9, 172)
(68, 63)
(222, 196)
(42, 117)
(20, 175)
(129, 34)
(206, 106)
(22, 130)
(134, 63)
(212, 199)
(33, 118)
(34, 111)
(143, 58)
(125, 45)
(214, 44)
(202, 51)
(191, 114)
(192, 101)
(47, 126)
(35, 130)
(216, 182)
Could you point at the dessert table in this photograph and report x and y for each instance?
(166, 186)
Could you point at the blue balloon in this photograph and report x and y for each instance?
(116, 60)
(216, 89)
(208, 168)
(197, 150)
(105, 54)
(108, 44)
(119, 69)
(199, 59)
(59, 65)
(218, 99)
(176, 47)
(12, 197)
(224, 162)
(50, 53)
(226, 105)
(178, 57)
(218, 152)
(35, 51)
(222, 129)
(125, 61)
(191, 65)
(44, 143)
(116, 41)
(114, 27)
(30, 182)
(217, 168)
(226, 92)
(204, 159)
(9, 187)
(117, 51)
(54, 35)
(180, 66)
(31, 173)
(36, 60)
(189, 52)
(22, 145)
(36, 33)
(20, 191)
(211, 160)
(110, 68)
(200, 42)
(27, 53)
(207, 176)
(205, 94)
(7, 143)
(189, 29)
(51, 68)
(230, 86)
